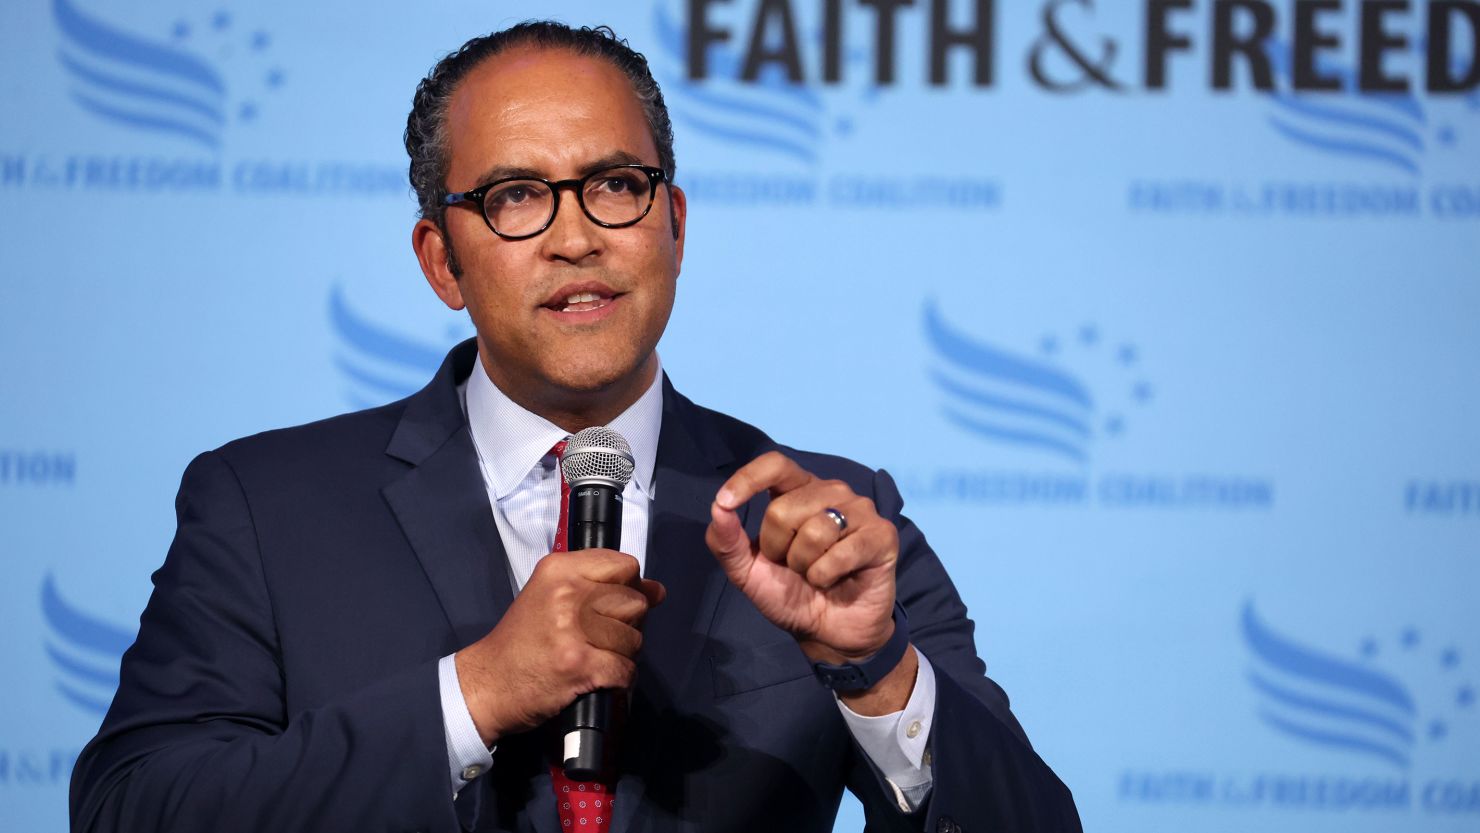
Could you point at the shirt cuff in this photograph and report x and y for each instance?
(467, 757)
(898, 744)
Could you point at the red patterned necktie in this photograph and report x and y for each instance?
(583, 805)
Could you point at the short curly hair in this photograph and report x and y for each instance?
(426, 126)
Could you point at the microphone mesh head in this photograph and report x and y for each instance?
(597, 455)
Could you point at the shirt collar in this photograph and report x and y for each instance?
(511, 441)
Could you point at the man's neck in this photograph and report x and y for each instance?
(574, 410)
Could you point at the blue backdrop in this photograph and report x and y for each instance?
(1171, 347)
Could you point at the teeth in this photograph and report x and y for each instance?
(583, 302)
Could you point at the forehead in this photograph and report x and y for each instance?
(545, 109)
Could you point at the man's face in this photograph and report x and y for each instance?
(555, 115)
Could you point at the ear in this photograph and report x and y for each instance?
(431, 252)
(678, 210)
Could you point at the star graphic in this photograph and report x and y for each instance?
(1114, 425)
(248, 111)
(1142, 392)
(1446, 136)
(274, 78)
(1369, 647)
(1437, 730)
(181, 30)
(1450, 658)
(221, 20)
(1410, 638)
(843, 126)
(1049, 345)
(1465, 697)
(260, 40)
(1127, 354)
(1088, 335)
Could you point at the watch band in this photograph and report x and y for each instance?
(864, 675)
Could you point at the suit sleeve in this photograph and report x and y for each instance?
(986, 775)
(198, 736)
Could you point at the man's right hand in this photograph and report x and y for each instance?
(574, 628)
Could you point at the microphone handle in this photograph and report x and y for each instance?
(594, 519)
(588, 726)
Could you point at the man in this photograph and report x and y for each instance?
(360, 625)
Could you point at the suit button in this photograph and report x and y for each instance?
(947, 825)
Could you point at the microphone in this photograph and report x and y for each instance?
(597, 465)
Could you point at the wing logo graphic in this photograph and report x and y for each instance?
(128, 80)
(1006, 398)
(378, 364)
(1023, 400)
(84, 651)
(771, 114)
(1327, 701)
(1386, 129)
(148, 85)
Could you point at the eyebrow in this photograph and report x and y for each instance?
(620, 157)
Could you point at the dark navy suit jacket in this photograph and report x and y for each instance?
(284, 677)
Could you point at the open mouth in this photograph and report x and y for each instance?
(588, 297)
(582, 302)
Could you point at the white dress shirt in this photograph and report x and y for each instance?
(523, 485)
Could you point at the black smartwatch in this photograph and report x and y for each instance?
(864, 675)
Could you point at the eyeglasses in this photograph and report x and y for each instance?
(520, 207)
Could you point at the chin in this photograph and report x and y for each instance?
(593, 377)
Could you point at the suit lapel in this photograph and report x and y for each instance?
(688, 475)
(442, 504)
(691, 466)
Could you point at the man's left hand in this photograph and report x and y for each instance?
(831, 588)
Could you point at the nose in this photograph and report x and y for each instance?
(571, 237)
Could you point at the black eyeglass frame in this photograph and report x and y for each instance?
(655, 177)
